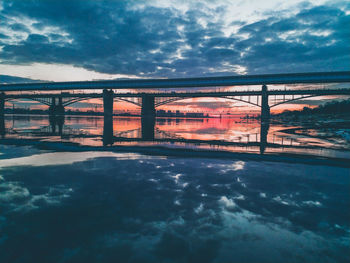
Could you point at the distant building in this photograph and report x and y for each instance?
(195, 114)
(178, 113)
(161, 113)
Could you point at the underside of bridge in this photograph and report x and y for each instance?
(148, 102)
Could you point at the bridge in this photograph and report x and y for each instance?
(149, 101)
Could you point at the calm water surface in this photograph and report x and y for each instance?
(84, 190)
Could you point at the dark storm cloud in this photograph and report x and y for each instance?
(37, 39)
(11, 79)
(114, 37)
(19, 27)
(309, 51)
(4, 36)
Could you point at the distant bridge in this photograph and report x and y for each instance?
(150, 100)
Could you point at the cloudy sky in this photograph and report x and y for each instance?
(85, 40)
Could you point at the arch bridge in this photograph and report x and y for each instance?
(151, 100)
(148, 102)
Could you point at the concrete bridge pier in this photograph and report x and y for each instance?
(52, 107)
(108, 98)
(2, 103)
(56, 109)
(265, 108)
(148, 117)
(59, 110)
(148, 108)
(108, 102)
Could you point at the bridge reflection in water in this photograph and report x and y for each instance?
(2, 126)
(169, 136)
(147, 130)
(148, 135)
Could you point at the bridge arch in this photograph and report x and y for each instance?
(170, 100)
(87, 98)
(47, 101)
(75, 100)
(44, 101)
(296, 99)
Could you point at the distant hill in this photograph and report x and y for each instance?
(5, 79)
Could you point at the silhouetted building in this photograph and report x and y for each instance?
(195, 114)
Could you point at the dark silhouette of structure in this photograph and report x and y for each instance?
(265, 108)
(150, 101)
(241, 80)
(56, 123)
(109, 136)
(2, 103)
(2, 126)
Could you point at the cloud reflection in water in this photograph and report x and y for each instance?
(103, 207)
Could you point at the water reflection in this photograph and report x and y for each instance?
(147, 128)
(56, 124)
(116, 207)
(2, 126)
(264, 130)
(107, 131)
(234, 135)
(107, 206)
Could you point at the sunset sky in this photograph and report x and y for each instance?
(90, 40)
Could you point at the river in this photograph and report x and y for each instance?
(83, 189)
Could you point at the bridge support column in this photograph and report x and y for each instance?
(2, 103)
(108, 102)
(148, 117)
(2, 112)
(56, 109)
(148, 108)
(52, 107)
(59, 110)
(265, 108)
(108, 98)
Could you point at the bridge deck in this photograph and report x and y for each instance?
(189, 94)
(294, 78)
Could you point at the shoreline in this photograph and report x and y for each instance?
(185, 153)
